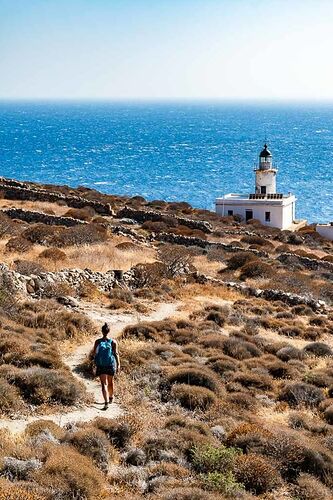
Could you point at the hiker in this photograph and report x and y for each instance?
(107, 363)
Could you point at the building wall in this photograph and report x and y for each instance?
(266, 178)
(326, 231)
(281, 215)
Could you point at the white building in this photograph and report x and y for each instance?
(325, 230)
(265, 204)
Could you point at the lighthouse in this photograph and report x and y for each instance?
(265, 173)
(264, 204)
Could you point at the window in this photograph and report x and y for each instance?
(267, 217)
(248, 215)
(263, 189)
(230, 213)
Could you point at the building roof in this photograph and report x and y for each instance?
(265, 153)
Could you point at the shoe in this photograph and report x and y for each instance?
(106, 406)
(111, 399)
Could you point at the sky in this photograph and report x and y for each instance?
(166, 49)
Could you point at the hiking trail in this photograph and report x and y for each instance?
(83, 414)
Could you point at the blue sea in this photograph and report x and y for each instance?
(174, 151)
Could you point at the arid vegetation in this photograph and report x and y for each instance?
(230, 398)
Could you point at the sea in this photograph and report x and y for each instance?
(177, 151)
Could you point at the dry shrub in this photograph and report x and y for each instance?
(70, 475)
(328, 415)
(302, 310)
(256, 269)
(216, 317)
(292, 457)
(300, 393)
(60, 323)
(116, 304)
(256, 240)
(169, 469)
(289, 352)
(10, 400)
(310, 488)
(239, 259)
(141, 331)
(58, 289)
(41, 234)
(54, 254)
(85, 214)
(41, 385)
(239, 349)
(94, 444)
(223, 365)
(18, 244)
(150, 274)
(123, 295)
(86, 234)
(256, 473)
(127, 246)
(10, 491)
(278, 369)
(291, 331)
(44, 427)
(175, 423)
(120, 431)
(198, 376)
(249, 431)
(242, 400)
(328, 258)
(28, 267)
(193, 397)
(88, 290)
(318, 349)
(252, 379)
(187, 493)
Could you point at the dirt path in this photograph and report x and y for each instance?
(117, 322)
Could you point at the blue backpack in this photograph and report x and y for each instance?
(104, 354)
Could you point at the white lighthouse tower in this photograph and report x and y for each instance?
(265, 173)
(265, 204)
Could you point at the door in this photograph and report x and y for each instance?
(248, 214)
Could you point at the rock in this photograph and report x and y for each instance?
(219, 432)
(135, 456)
(68, 301)
(13, 468)
(30, 289)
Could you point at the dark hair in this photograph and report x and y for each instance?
(105, 329)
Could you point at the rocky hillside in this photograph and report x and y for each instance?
(229, 397)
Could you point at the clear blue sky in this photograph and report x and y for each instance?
(110, 49)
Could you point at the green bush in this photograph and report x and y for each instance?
(222, 483)
(208, 458)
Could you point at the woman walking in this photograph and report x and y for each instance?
(107, 363)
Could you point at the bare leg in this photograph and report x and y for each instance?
(110, 387)
(103, 379)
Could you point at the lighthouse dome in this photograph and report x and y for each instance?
(265, 153)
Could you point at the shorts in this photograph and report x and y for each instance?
(105, 370)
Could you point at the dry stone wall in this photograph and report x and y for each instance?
(22, 192)
(311, 264)
(32, 216)
(142, 216)
(188, 241)
(291, 299)
(37, 286)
